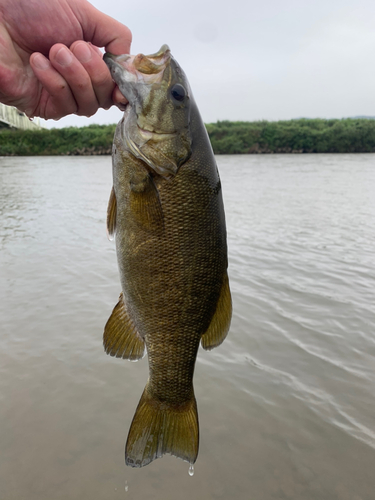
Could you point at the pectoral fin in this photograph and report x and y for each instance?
(219, 326)
(121, 338)
(111, 215)
(145, 204)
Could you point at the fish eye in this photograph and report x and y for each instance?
(178, 92)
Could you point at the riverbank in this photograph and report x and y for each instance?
(350, 135)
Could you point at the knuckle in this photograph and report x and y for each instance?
(82, 82)
(102, 81)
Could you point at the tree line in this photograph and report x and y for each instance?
(349, 135)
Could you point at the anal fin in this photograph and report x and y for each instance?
(220, 323)
(121, 338)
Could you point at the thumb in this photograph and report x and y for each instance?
(104, 31)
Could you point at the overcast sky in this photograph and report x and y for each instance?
(253, 60)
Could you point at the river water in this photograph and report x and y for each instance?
(286, 404)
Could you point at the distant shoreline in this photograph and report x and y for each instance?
(349, 135)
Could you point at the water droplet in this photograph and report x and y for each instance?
(191, 470)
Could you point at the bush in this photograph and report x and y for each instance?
(94, 139)
(349, 135)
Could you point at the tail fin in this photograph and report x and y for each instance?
(158, 429)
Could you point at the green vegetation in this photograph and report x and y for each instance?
(91, 140)
(350, 135)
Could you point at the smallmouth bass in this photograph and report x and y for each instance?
(166, 211)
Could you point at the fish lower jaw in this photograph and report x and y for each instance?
(145, 134)
(155, 136)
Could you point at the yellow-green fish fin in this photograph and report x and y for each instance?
(219, 326)
(158, 428)
(121, 338)
(111, 215)
(145, 204)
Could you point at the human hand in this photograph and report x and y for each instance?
(72, 80)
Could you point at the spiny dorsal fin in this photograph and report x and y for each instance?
(219, 326)
(111, 215)
(121, 338)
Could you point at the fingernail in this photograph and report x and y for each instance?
(82, 52)
(40, 61)
(64, 57)
(121, 106)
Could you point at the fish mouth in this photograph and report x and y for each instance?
(135, 76)
(127, 71)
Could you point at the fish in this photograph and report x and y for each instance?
(167, 216)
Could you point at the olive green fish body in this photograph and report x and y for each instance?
(172, 256)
